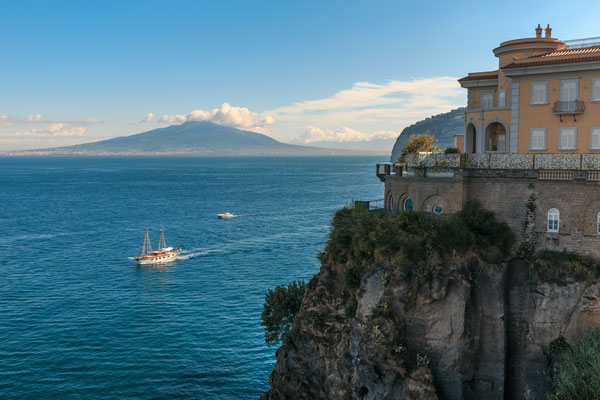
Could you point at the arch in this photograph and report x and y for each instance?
(389, 203)
(496, 136)
(470, 138)
(553, 224)
(408, 204)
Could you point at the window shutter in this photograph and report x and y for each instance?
(596, 90)
(596, 138)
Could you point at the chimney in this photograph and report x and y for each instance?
(538, 31)
(548, 31)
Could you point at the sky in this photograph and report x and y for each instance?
(346, 74)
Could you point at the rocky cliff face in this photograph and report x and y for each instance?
(464, 330)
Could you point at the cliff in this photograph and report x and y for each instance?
(442, 126)
(461, 322)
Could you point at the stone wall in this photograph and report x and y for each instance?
(522, 201)
(505, 161)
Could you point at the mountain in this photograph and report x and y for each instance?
(442, 126)
(193, 137)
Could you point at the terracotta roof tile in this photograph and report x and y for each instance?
(558, 57)
(476, 76)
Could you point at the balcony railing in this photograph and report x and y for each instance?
(569, 107)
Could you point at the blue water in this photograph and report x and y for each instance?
(79, 320)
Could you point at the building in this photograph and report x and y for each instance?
(543, 98)
(531, 147)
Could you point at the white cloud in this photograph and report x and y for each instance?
(148, 118)
(35, 118)
(237, 117)
(344, 134)
(53, 129)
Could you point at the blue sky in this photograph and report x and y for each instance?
(340, 73)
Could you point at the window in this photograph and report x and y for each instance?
(553, 220)
(595, 139)
(539, 93)
(568, 90)
(487, 101)
(598, 224)
(595, 89)
(567, 137)
(437, 209)
(502, 98)
(537, 140)
(408, 204)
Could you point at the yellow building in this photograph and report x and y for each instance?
(544, 98)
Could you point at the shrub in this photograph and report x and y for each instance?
(558, 346)
(280, 309)
(483, 224)
(494, 255)
(423, 360)
(451, 150)
(381, 310)
(579, 371)
(350, 311)
(553, 265)
(526, 251)
(318, 320)
(354, 276)
(420, 142)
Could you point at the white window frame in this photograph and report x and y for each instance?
(553, 221)
(502, 95)
(560, 133)
(545, 101)
(491, 96)
(595, 95)
(562, 83)
(592, 129)
(531, 138)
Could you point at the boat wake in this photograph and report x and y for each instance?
(187, 254)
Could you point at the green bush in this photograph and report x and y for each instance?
(420, 142)
(360, 238)
(451, 150)
(579, 371)
(280, 309)
(354, 276)
(554, 265)
(526, 251)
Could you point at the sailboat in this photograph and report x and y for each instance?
(163, 255)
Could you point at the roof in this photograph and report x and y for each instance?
(558, 57)
(530, 40)
(476, 76)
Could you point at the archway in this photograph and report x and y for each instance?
(496, 138)
(471, 139)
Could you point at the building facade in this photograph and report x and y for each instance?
(531, 148)
(543, 98)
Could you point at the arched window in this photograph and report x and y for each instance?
(553, 220)
(408, 204)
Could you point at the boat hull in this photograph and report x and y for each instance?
(163, 258)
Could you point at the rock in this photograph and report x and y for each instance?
(472, 321)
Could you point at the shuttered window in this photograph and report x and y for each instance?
(596, 90)
(595, 139)
(539, 93)
(537, 140)
(567, 138)
(487, 101)
(502, 98)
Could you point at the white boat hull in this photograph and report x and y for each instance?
(157, 259)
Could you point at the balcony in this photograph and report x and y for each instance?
(569, 107)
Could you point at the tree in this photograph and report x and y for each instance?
(280, 309)
(420, 142)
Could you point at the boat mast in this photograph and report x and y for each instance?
(161, 242)
(147, 248)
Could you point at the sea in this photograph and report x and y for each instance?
(79, 320)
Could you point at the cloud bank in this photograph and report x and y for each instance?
(344, 134)
(226, 114)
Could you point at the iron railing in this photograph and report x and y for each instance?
(569, 107)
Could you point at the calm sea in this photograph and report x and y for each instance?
(78, 320)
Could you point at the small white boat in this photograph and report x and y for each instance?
(227, 215)
(163, 255)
